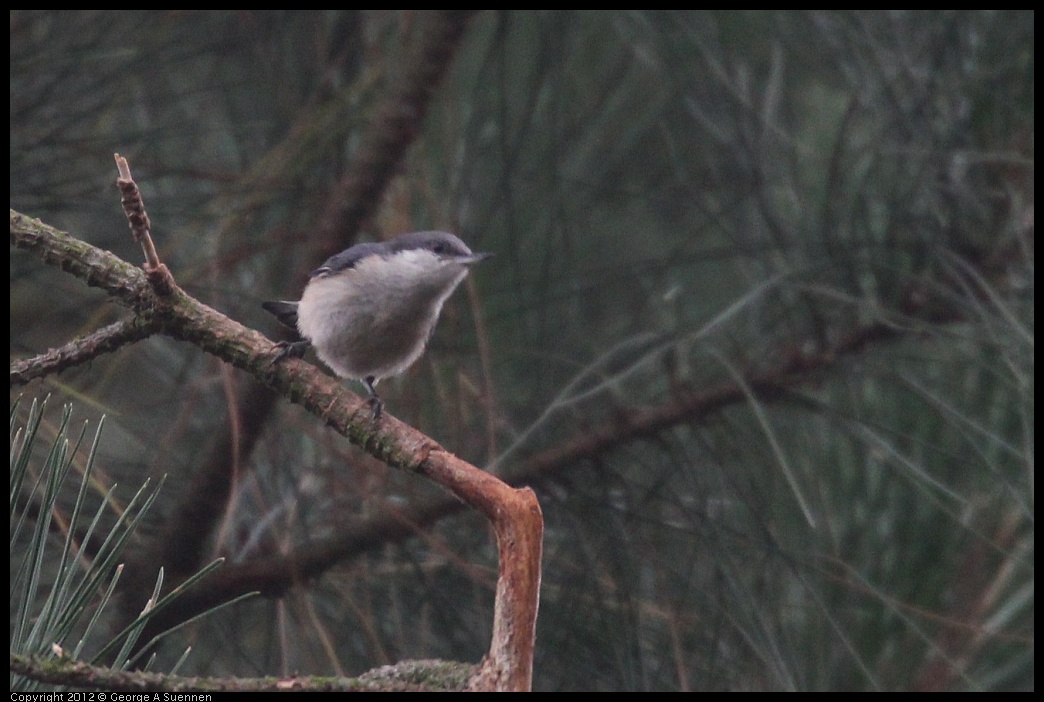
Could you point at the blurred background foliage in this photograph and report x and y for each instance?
(759, 331)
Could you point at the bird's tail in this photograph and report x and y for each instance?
(285, 312)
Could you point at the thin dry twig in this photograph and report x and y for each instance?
(159, 275)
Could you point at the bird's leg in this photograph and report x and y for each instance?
(375, 400)
(291, 349)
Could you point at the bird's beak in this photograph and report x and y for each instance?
(475, 258)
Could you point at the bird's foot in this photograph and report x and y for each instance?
(377, 407)
(376, 404)
(290, 349)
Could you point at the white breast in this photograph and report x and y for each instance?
(375, 318)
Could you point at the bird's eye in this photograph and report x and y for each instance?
(439, 248)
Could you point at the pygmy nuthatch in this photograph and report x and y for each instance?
(370, 310)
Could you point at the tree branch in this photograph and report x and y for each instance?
(82, 350)
(406, 676)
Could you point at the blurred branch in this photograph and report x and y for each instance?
(395, 124)
(182, 541)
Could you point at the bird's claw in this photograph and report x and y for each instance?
(377, 407)
(290, 349)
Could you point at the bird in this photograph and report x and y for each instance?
(370, 310)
